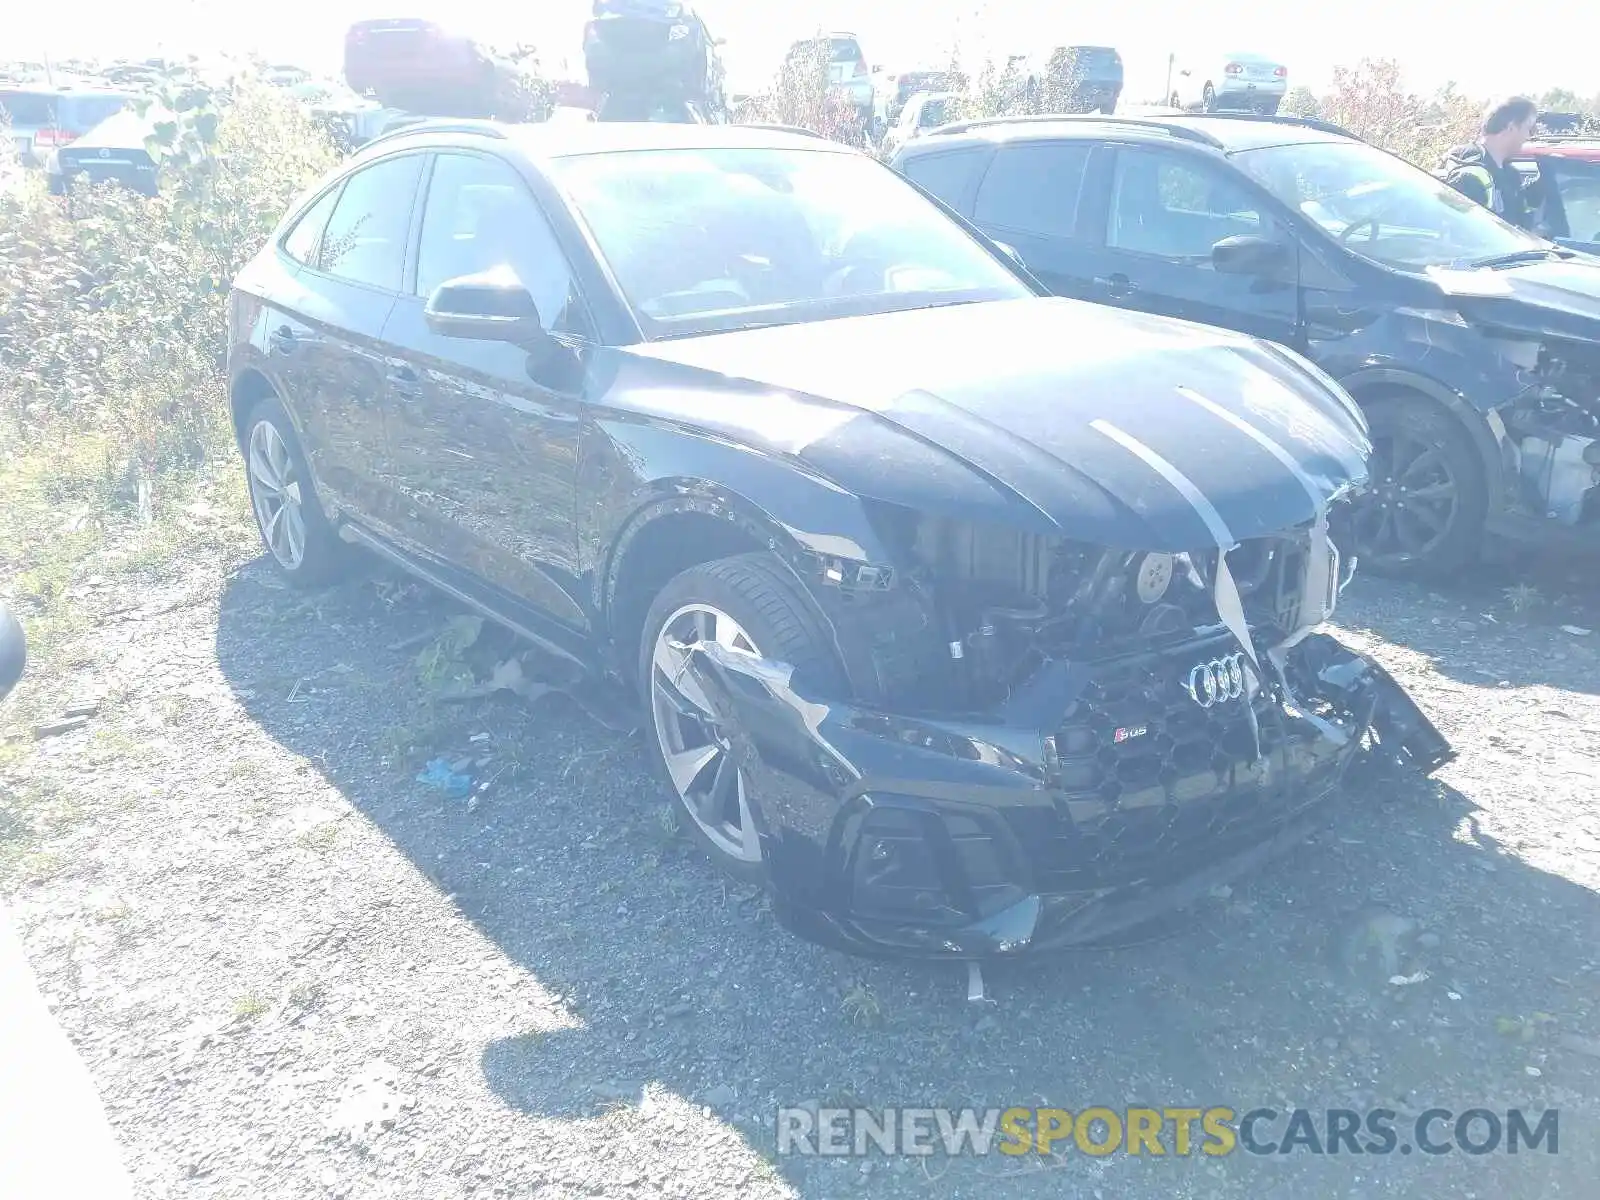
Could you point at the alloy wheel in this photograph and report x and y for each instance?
(699, 756)
(275, 495)
(1412, 502)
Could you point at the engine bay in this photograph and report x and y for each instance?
(983, 608)
(1553, 435)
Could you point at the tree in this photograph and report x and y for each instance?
(1301, 102)
(1371, 101)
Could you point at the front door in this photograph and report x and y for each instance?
(1166, 210)
(485, 435)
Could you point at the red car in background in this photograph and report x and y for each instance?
(1570, 169)
(422, 67)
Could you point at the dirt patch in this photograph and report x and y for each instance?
(297, 971)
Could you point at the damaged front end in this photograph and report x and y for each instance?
(1551, 432)
(1048, 743)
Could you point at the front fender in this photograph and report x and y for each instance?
(639, 471)
(1481, 423)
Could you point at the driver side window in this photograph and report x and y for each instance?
(1172, 206)
(480, 215)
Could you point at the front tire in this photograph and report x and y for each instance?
(294, 529)
(1427, 499)
(748, 604)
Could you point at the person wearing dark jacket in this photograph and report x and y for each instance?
(1484, 172)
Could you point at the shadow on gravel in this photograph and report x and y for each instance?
(682, 982)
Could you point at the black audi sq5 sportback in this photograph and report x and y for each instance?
(965, 619)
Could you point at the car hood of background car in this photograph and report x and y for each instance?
(1553, 298)
(1117, 428)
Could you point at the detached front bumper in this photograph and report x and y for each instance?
(1100, 797)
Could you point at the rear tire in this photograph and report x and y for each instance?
(748, 603)
(1427, 498)
(294, 529)
(1208, 99)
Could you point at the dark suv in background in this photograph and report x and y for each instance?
(1473, 347)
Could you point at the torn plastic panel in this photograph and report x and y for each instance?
(1096, 796)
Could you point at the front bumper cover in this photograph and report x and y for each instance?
(1095, 801)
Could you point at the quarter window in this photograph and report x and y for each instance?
(947, 176)
(365, 241)
(1172, 207)
(302, 241)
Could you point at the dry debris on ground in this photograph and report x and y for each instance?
(297, 970)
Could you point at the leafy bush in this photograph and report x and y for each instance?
(113, 305)
(1371, 101)
(800, 97)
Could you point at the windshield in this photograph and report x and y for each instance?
(1382, 208)
(706, 240)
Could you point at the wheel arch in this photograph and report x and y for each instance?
(248, 389)
(1485, 431)
(669, 534)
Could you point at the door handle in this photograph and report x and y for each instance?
(281, 339)
(1116, 285)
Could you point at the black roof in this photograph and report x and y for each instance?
(1225, 132)
(556, 139)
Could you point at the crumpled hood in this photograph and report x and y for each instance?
(1107, 426)
(1553, 298)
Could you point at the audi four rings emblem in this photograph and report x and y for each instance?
(1216, 681)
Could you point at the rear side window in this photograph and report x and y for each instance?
(1034, 187)
(303, 239)
(948, 176)
(365, 241)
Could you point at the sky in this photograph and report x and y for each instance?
(897, 34)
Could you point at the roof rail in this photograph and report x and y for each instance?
(800, 129)
(1286, 119)
(1193, 133)
(1186, 132)
(409, 124)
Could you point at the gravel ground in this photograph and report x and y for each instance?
(297, 972)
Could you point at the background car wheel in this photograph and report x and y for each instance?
(294, 529)
(1109, 107)
(1208, 99)
(1270, 108)
(746, 603)
(1426, 500)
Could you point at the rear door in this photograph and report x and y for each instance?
(485, 435)
(1165, 210)
(1030, 199)
(332, 334)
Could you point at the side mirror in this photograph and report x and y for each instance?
(1249, 254)
(1010, 252)
(492, 306)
